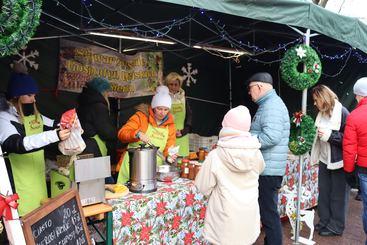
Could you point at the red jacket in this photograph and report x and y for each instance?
(355, 138)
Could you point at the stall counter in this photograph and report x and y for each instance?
(174, 214)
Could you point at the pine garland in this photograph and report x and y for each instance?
(302, 133)
(18, 22)
(292, 58)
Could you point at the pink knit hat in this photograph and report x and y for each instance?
(237, 118)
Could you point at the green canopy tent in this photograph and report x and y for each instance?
(291, 12)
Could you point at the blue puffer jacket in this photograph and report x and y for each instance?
(271, 125)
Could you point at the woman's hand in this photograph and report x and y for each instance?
(64, 134)
(171, 159)
(320, 133)
(144, 138)
(178, 133)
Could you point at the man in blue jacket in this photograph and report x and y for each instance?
(271, 125)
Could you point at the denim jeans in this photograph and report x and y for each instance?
(363, 187)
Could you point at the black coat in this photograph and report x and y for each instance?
(95, 119)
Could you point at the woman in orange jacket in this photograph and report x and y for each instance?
(150, 124)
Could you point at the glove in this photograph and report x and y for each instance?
(351, 179)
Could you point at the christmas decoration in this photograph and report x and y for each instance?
(26, 59)
(306, 216)
(188, 74)
(302, 133)
(18, 22)
(301, 52)
(307, 56)
(7, 202)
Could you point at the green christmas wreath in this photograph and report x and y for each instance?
(300, 54)
(302, 133)
(18, 22)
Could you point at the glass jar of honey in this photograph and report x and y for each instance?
(201, 154)
(197, 168)
(185, 168)
(192, 170)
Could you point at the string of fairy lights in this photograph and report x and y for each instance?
(254, 51)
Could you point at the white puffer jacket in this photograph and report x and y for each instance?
(229, 177)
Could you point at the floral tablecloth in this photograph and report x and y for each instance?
(309, 182)
(172, 215)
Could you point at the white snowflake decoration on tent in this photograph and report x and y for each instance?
(301, 52)
(188, 74)
(26, 59)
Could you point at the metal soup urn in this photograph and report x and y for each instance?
(143, 169)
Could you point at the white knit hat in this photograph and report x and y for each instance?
(360, 87)
(162, 89)
(161, 98)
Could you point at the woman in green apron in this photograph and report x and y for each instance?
(100, 133)
(153, 124)
(24, 132)
(181, 111)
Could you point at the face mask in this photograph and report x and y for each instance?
(28, 109)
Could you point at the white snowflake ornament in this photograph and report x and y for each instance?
(26, 59)
(301, 52)
(188, 74)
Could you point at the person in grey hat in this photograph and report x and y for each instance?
(271, 125)
(355, 143)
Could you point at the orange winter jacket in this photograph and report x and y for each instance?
(139, 122)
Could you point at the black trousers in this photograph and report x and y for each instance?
(268, 201)
(333, 198)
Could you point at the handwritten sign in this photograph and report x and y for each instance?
(58, 222)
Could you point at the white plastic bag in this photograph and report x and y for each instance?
(74, 144)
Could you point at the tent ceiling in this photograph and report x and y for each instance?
(181, 23)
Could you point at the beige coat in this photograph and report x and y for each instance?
(229, 177)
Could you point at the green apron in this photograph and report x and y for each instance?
(29, 171)
(101, 145)
(157, 136)
(178, 109)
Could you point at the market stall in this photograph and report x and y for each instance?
(174, 214)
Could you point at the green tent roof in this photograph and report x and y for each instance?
(291, 12)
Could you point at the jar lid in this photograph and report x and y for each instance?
(185, 160)
(194, 162)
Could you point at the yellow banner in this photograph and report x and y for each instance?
(129, 75)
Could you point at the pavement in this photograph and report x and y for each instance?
(352, 235)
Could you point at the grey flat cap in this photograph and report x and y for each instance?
(261, 77)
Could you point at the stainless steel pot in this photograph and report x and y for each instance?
(143, 169)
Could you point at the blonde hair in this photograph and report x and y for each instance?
(18, 105)
(173, 76)
(326, 96)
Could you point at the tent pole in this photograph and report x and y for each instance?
(230, 83)
(301, 158)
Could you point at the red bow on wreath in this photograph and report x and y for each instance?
(297, 118)
(7, 202)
